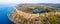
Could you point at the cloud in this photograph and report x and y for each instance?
(29, 1)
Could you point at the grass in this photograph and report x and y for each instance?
(54, 19)
(51, 19)
(29, 21)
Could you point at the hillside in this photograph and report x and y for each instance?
(35, 14)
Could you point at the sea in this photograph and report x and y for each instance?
(6, 8)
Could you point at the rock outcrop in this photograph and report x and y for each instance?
(22, 14)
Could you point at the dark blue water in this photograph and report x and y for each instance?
(4, 10)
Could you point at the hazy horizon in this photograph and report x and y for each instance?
(29, 1)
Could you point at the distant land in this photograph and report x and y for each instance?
(40, 13)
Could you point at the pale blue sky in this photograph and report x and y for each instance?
(29, 1)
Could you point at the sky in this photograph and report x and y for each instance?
(29, 1)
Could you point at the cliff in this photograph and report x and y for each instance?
(25, 15)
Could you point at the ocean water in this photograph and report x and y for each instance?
(4, 10)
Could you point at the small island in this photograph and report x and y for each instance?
(35, 14)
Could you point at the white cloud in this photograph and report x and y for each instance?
(29, 1)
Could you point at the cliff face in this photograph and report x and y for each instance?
(22, 15)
